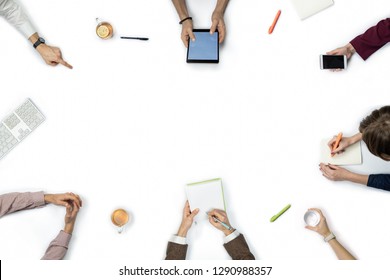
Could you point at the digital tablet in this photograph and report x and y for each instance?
(205, 48)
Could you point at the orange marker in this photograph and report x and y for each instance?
(274, 23)
(337, 142)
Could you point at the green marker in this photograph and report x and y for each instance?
(273, 219)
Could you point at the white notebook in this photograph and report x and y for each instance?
(307, 8)
(205, 195)
(351, 156)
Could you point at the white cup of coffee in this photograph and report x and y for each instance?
(312, 218)
(120, 218)
(104, 30)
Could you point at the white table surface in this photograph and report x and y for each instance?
(132, 123)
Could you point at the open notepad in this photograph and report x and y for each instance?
(307, 8)
(205, 195)
(351, 156)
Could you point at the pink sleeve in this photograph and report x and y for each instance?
(12, 202)
(58, 247)
(373, 39)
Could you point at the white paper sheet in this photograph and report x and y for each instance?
(206, 196)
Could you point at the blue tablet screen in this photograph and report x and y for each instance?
(205, 46)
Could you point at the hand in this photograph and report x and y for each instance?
(348, 50)
(72, 210)
(344, 143)
(322, 227)
(52, 55)
(222, 216)
(334, 172)
(63, 199)
(218, 24)
(188, 219)
(186, 32)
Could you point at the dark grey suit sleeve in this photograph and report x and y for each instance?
(176, 251)
(238, 249)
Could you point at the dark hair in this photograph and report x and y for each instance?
(375, 129)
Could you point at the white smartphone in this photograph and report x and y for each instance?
(333, 61)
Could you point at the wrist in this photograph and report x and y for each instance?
(69, 228)
(185, 20)
(221, 6)
(183, 16)
(48, 198)
(182, 232)
(326, 233)
(329, 237)
(350, 48)
(219, 12)
(349, 176)
(355, 138)
(33, 38)
(228, 231)
(36, 40)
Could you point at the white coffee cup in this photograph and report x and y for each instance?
(312, 218)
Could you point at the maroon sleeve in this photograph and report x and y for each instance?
(373, 39)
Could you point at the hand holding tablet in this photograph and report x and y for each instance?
(205, 48)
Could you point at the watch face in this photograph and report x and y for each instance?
(41, 40)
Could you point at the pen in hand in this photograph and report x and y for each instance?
(336, 143)
(222, 223)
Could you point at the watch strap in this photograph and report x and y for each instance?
(38, 42)
(329, 237)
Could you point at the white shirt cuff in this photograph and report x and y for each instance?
(178, 240)
(231, 236)
(27, 29)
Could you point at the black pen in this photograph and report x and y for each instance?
(136, 38)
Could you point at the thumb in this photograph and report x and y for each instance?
(334, 52)
(63, 203)
(310, 227)
(213, 26)
(211, 220)
(68, 210)
(334, 167)
(194, 213)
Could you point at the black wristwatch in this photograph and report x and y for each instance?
(38, 42)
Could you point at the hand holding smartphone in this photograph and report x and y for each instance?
(333, 61)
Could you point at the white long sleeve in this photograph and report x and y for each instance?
(14, 14)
